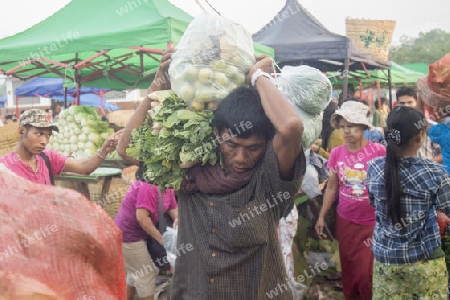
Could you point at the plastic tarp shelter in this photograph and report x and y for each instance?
(399, 76)
(114, 44)
(298, 38)
(418, 67)
(90, 100)
(50, 87)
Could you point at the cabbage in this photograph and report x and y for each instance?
(105, 135)
(73, 139)
(77, 131)
(62, 115)
(83, 138)
(94, 138)
(70, 119)
(81, 130)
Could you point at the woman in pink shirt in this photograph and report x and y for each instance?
(137, 218)
(355, 216)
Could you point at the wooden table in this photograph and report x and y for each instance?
(82, 181)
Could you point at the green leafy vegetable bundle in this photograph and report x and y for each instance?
(173, 140)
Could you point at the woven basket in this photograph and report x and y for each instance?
(120, 117)
(9, 137)
(371, 36)
(112, 201)
(9, 132)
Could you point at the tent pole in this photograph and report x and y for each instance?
(77, 101)
(65, 97)
(345, 87)
(101, 104)
(78, 81)
(17, 109)
(360, 88)
(390, 88)
(379, 102)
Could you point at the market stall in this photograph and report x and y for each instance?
(302, 39)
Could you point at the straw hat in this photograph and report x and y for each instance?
(353, 112)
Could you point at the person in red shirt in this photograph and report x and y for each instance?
(27, 161)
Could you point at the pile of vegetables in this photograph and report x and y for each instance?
(81, 132)
(211, 60)
(172, 139)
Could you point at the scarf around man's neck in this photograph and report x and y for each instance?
(210, 179)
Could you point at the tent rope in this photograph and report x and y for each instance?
(204, 10)
(212, 7)
(201, 6)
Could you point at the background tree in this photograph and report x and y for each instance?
(427, 47)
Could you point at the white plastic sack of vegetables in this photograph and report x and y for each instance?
(81, 132)
(306, 87)
(312, 125)
(212, 59)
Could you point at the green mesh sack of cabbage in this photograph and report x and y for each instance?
(306, 87)
(212, 59)
(310, 92)
(81, 132)
(312, 125)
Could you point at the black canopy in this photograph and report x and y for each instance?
(298, 38)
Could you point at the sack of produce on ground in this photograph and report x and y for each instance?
(212, 59)
(306, 87)
(56, 244)
(81, 132)
(173, 140)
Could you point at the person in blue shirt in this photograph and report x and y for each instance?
(406, 191)
(440, 134)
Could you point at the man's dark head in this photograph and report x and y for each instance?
(241, 112)
(243, 129)
(407, 96)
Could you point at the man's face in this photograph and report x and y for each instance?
(240, 155)
(407, 101)
(34, 140)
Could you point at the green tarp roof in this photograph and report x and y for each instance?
(399, 76)
(83, 28)
(418, 67)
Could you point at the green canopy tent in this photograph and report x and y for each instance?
(418, 67)
(399, 76)
(112, 44)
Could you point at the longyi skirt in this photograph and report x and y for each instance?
(426, 279)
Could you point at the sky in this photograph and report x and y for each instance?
(412, 16)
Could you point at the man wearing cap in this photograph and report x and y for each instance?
(27, 160)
